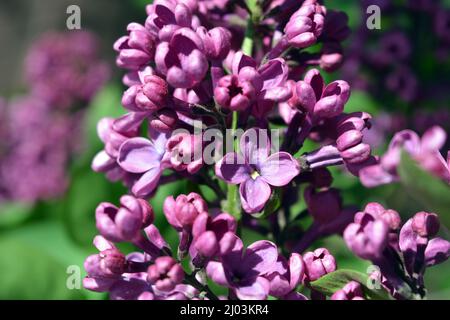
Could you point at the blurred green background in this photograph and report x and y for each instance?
(40, 242)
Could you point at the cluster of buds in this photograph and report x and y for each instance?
(425, 151)
(192, 70)
(401, 252)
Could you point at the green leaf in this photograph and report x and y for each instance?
(35, 264)
(334, 281)
(361, 101)
(87, 190)
(424, 187)
(13, 214)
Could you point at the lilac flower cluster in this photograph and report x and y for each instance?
(387, 64)
(41, 130)
(401, 252)
(425, 150)
(195, 74)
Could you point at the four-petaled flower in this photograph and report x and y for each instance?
(256, 170)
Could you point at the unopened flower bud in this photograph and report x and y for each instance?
(324, 206)
(233, 94)
(426, 224)
(182, 211)
(216, 42)
(186, 152)
(318, 263)
(165, 274)
(124, 223)
(149, 96)
(164, 120)
(351, 291)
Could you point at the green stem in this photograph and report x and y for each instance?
(233, 206)
(232, 196)
(247, 45)
(191, 280)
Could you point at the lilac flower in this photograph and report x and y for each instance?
(260, 87)
(367, 237)
(151, 95)
(135, 50)
(126, 222)
(318, 263)
(255, 170)
(167, 16)
(182, 212)
(216, 41)
(303, 28)
(242, 270)
(181, 59)
(233, 94)
(351, 291)
(146, 158)
(106, 160)
(165, 274)
(350, 131)
(418, 246)
(286, 276)
(322, 101)
(305, 25)
(185, 152)
(105, 268)
(424, 150)
(208, 232)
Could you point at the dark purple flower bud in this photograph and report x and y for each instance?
(165, 274)
(151, 95)
(336, 26)
(351, 291)
(324, 206)
(233, 94)
(305, 25)
(126, 222)
(321, 178)
(318, 263)
(164, 120)
(136, 49)
(186, 152)
(425, 224)
(367, 237)
(182, 211)
(216, 42)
